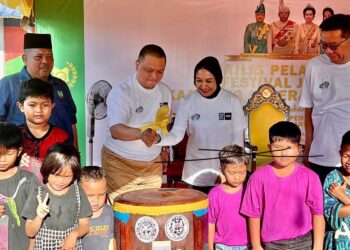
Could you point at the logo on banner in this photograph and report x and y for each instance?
(68, 74)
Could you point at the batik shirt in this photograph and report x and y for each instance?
(339, 236)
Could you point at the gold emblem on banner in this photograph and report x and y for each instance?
(250, 56)
(69, 74)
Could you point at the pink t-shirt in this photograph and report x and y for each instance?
(284, 204)
(231, 226)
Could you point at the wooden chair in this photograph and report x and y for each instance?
(265, 108)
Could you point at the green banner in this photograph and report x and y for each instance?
(64, 20)
(13, 66)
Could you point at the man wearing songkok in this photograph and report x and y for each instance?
(38, 63)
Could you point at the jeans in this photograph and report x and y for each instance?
(224, 247)
(300, 243)
(322, 171)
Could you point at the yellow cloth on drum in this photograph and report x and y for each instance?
(162, 120)
(160, 210)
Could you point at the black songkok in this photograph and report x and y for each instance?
(37, 41)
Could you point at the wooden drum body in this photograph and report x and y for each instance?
(150, 218)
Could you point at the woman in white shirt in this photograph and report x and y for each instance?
(213, 118)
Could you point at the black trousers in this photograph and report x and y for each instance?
(322, 171)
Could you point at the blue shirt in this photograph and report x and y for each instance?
(101, 230)
(62, 116)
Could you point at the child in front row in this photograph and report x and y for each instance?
(15, 187)
(101, 234)
(227, 228)
(58, 213)
(336, 190)
(36, 101)
(284, 200)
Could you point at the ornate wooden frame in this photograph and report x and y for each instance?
(266, 93)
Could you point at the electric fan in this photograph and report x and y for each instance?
(96, 100)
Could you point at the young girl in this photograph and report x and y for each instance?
(58, 213)
(227, 227)
(337, 200)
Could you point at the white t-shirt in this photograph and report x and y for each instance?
(210, 124)
(130, 104)
(326, 89)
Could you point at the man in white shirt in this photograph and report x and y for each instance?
(325, 96)
(128, 163)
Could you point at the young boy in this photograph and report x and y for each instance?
(337, 201)
(36, 102)
(284, 200)
(101, 235)
(15, 187)
(227, 227)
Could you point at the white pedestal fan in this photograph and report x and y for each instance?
(96, 101)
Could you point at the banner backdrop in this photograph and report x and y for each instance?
(245, 73)
(188, 30)
(64, 21)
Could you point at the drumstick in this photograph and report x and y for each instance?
(260, 154)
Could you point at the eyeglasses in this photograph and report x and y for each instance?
(332, 47)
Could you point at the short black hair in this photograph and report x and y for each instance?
(285, 130)
(35, 88)
(329, 9)
(345, 140)
(10, 136)
(337, 22)
(309, 8)
(233, 154)
(93, 173)
(153, 50)
(59, 156)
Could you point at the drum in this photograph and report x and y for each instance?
(166, 218)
